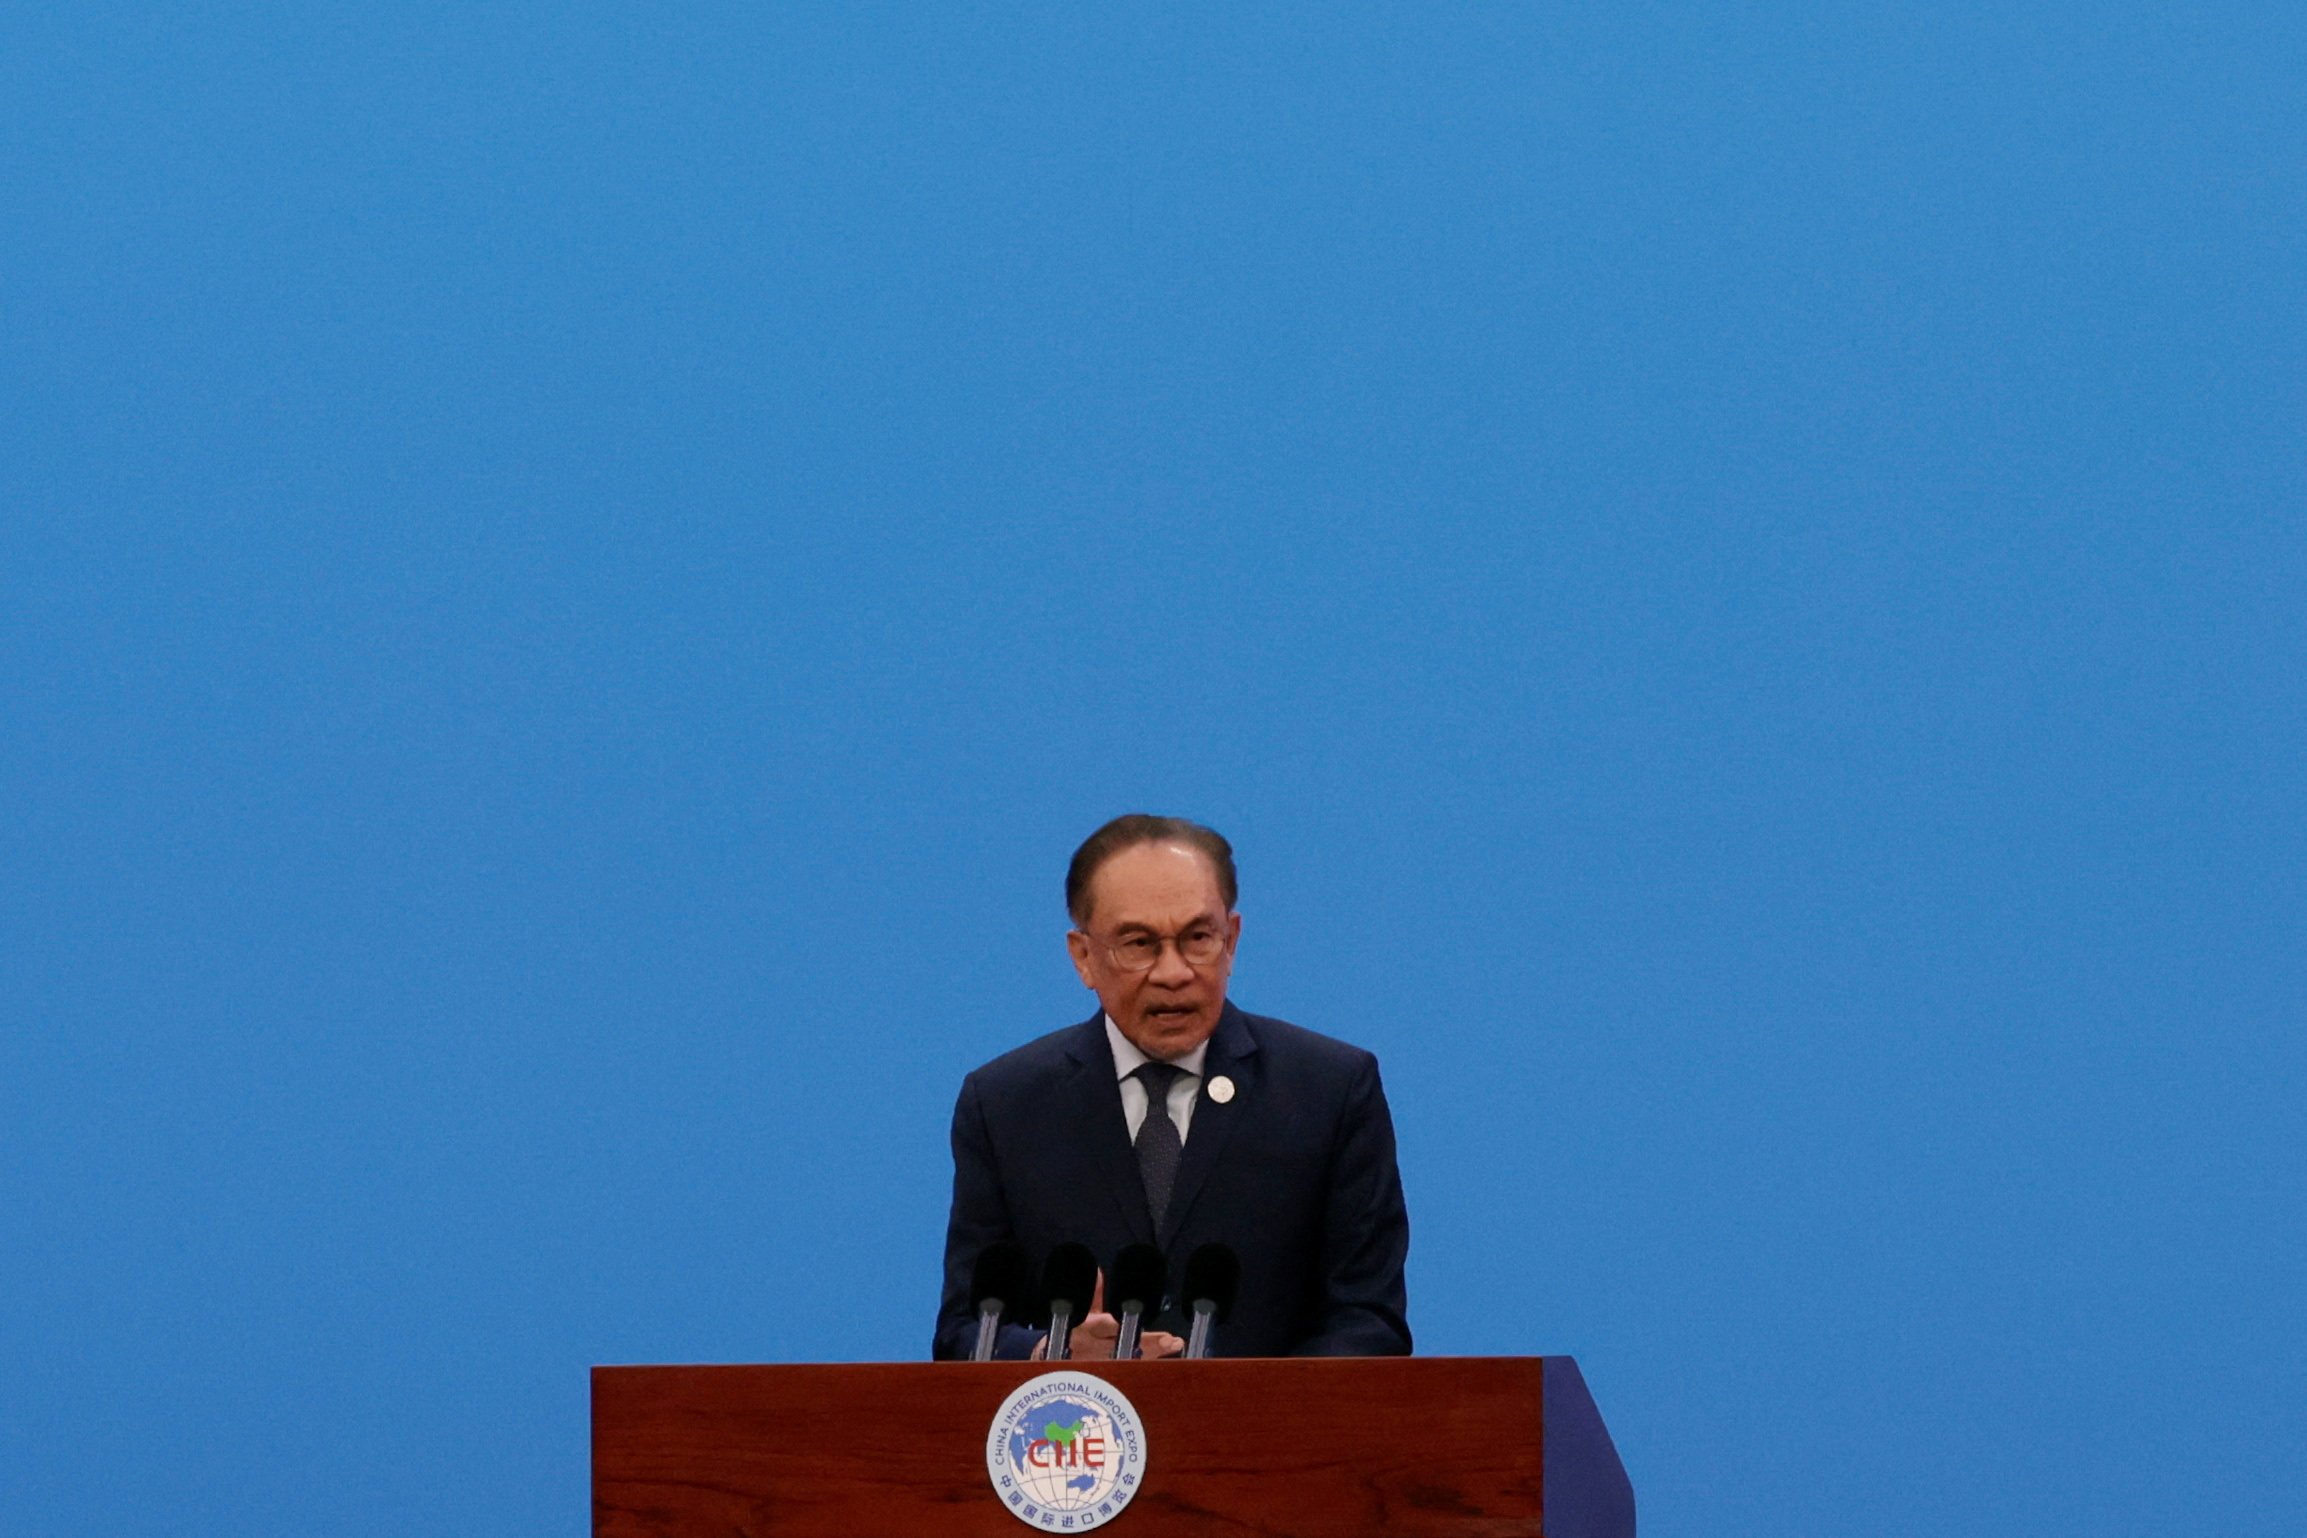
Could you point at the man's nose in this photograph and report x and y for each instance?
(1171, 967)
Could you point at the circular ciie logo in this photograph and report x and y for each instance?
(1065, 1452)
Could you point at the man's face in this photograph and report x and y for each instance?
(1148, 898)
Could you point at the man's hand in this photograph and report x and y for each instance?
(1093, 1338)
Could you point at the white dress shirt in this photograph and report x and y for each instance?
(1185, 1089)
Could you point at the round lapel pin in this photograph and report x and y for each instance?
(1221, 1089)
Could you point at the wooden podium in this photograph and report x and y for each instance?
(1422, 1447)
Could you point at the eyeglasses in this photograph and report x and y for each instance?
(1197, 947)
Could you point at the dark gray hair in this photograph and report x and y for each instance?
(1131, 830)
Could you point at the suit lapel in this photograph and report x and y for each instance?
(1100, 1126)
(1232, 1055)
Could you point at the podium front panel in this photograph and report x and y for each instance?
(1423, 1447)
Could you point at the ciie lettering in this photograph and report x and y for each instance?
(1065, 1447)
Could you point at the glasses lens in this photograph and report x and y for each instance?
(1138, 953)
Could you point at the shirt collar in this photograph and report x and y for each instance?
(1127, 1059)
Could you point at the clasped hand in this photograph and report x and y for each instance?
(1093, 1338)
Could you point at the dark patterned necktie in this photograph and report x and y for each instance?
(1158, 1143)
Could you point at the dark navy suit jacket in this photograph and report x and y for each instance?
(1296, 1172)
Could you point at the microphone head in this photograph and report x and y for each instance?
(1002, 1276)
(1139, 1273)
(1213, 1275)
(1068, 1276)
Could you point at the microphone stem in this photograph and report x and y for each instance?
(1125, 1344)
(1060, 1333)
(1198, 1343)
(988, 1325)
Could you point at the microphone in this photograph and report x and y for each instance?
(1213, 1276)
(997, 1286)
(1068, 1279)
(1134, 1287)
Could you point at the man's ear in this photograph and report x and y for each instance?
(1077, 946)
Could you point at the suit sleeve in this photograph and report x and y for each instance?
(1365, 1235)
(979, 1217)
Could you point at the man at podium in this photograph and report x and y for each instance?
(1172, 1118)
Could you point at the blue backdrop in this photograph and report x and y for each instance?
(570, 575)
